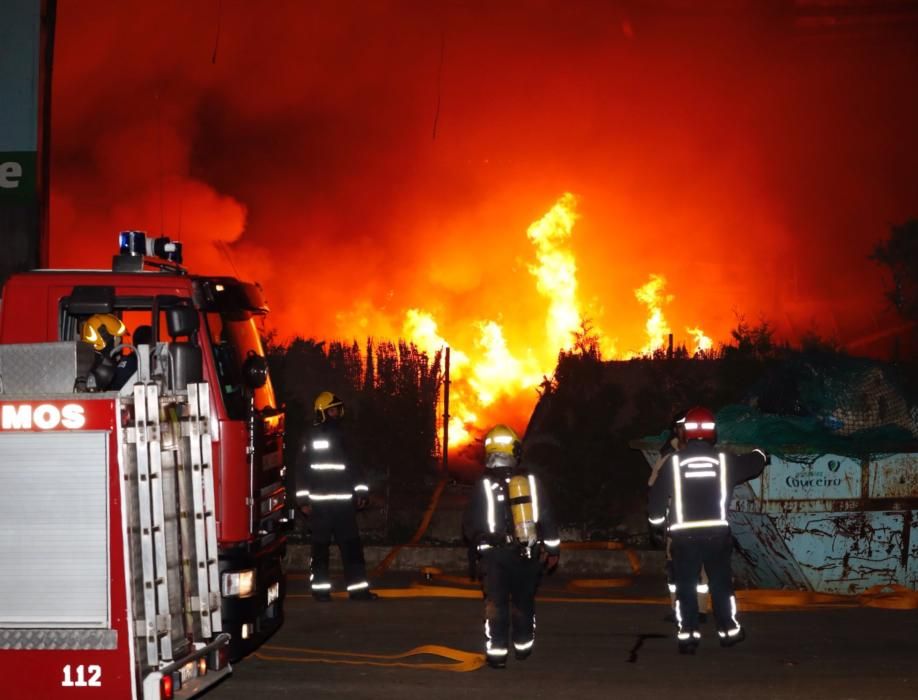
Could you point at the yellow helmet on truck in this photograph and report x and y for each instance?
(98, 328)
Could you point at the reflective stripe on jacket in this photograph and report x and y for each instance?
(488, 520)
(696, 486)
(325, 472)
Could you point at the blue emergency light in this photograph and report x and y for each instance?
(136, 243)
(132, 243)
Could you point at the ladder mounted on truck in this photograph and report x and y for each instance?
(156, 625)
(202, 480)
(194, 492)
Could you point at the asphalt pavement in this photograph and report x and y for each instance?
(618, 646)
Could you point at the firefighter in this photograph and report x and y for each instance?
(509, 521)
(103, 332)
(696, 486)
(127, 364)
(672, 443)
(333, 491)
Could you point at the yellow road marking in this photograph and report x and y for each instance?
(462, 661)
(892, 597)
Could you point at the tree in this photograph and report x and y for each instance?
(900, 255)
(391, 395)
(752, 341)
(586, 340)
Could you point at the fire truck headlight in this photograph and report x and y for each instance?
(239, 584)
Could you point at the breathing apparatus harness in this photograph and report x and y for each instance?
(520, 529)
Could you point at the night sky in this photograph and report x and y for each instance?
(363, 158)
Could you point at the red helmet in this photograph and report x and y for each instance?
(699, 424)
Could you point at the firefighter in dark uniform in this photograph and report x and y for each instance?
(696, 487)
(672, 443)
(332, 491)
(509, 522)
(127, 364)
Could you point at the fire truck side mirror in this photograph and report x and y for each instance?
(255, 371)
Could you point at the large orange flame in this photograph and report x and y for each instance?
(556, 271)
(702, 342)
(656, 327)
(491, 370)
(651, 295)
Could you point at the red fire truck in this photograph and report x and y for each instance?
(141, 524)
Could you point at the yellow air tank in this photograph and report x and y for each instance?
(524, 523)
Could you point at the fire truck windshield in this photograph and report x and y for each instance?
(233, 336)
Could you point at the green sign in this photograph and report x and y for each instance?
(17, 175)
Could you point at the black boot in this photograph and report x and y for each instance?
(363, 594)
(523, 654)
(322, 596)
(497, 661)
(690, 645)
(727, 640)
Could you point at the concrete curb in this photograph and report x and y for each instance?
(454, 560)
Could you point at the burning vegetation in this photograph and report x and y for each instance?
(489, 369)
(512, 180)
